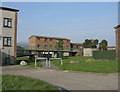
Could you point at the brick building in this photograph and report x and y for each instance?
(47, 43)
(44, 44)
(76, 45)
(117, 42)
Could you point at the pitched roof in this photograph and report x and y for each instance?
(77, 43)
(111, 46)
(116, 27)
(9, 9)
(59, 38)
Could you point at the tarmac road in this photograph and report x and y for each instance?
(67, 79)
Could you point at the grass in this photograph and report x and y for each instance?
(11, 82)
(31, 62)
(110, 66)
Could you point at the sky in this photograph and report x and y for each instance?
(73, 20)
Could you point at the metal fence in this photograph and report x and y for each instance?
(105, 55)
(21, 51)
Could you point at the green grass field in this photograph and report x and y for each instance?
(31, 62)
(11, 82)
(110, 66)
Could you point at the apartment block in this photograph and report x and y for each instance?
(8, 35)
(76, 45)
(47, 43)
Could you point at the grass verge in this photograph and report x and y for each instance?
(11, 82)
(31, 62)
(103, 66)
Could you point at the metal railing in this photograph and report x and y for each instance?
(23, 52)
(56, 49)
(34, 49)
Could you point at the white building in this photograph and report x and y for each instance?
(8, 35)
(89, 51)
(111, 48)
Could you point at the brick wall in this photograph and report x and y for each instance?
(117, 42)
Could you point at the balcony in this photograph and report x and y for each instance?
(76, 49)
(56, 49)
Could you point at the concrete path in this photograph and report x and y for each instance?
(52, 67)
(67, 80)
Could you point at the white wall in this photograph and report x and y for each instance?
(66, 54)
(88, 51)
(111, 48)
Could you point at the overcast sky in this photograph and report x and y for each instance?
(76, 21)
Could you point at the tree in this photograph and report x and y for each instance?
(89, 43)
(103, 45)
(59, 46)
(95, 43)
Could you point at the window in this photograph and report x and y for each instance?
(7, 22)
(67, 41)
(38, 38)
(71, 46)
(51, 46)
(57, 40)
(6, 41)
(56, 47)
(50, 39)
(38, 46)
(45, 40)
(45, 46)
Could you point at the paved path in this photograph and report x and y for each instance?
(68, 80)
(52, 67)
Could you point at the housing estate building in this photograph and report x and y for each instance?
(111, 47)
(44, 44)
(8, 35)
(76, 45)
(47, 43)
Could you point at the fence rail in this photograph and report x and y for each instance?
(57, 49)
(34, 49)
